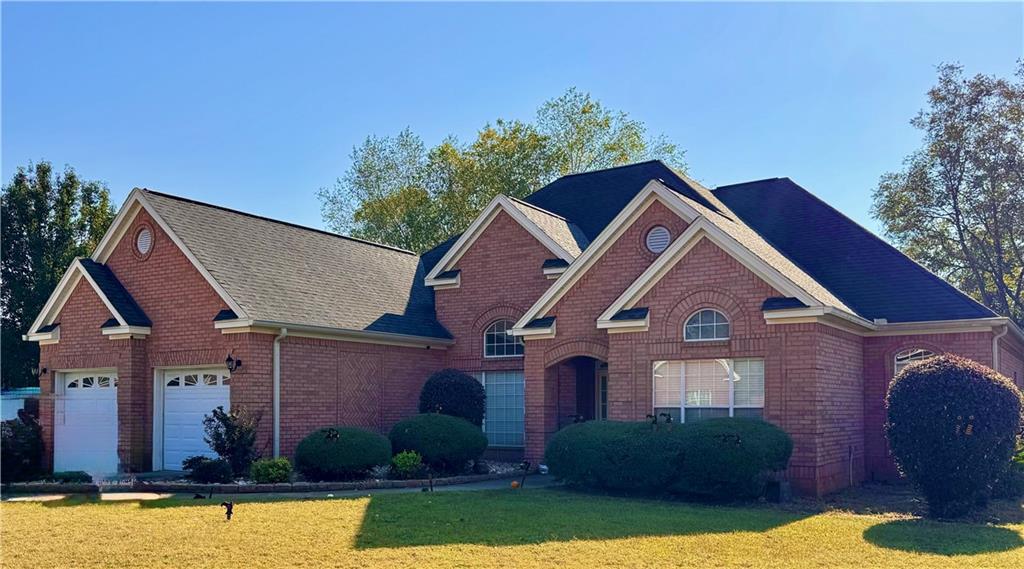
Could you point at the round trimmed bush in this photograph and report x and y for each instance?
(341, 453)
(445, 443)
(717, 458)
(731, 458)
(454, 393)
(952, 424)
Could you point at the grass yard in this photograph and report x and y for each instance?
(502, 528)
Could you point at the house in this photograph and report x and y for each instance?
(614, 294)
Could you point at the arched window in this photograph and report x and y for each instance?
(907, 357)
(499, 344)
(706, 325)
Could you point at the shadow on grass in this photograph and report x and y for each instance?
(925, 536)
(537, 516)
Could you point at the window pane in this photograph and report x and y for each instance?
(749, 383)
(504, 417)
(700, 414)
(707, 383)
(667, 376)
(749, 413)
(906, 357)
(497, 343)
(706, 325)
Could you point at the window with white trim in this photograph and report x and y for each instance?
(499, 344)
(691, 390)
(907, 357)
(505, 414)
(706, 324)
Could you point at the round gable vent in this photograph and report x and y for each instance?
(657, 239)
(144, 241)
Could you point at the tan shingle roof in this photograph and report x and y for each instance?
(560, 230)
(285, 273)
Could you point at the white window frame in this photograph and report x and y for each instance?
(913, 355)
(730, 364)
(481, 376)
(516, 340)
(698, 313)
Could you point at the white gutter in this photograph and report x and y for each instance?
(277, 391)
(995, 346)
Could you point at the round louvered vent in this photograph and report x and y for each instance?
(657, 239)
(144, 241)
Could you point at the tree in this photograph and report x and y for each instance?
(958, 203)
(398, 192)
(46, 220)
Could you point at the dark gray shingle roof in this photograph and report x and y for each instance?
(280, 272)
(115, 292)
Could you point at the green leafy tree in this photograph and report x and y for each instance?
(958, 203)
(399, 192)
(46, 220)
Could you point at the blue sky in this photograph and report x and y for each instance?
(255, 106)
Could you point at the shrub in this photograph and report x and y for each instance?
(71, 477)
(952, 425)
(21, 449)
(632, 457)
(454, 393)
(731, 458)
(271, 470)
(446, 443)
(406, 465)
(341, 453)
(717, 458)
(232, 435)
(205, 470)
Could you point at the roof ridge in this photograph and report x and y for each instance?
(761, 181)
(630, 165)
(278, 221)
(538, 208)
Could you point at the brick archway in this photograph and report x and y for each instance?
(705, 298)
(573, 348)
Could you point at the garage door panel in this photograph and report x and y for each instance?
(85, 423)
(190, 395)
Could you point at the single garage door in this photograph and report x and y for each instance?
(85, 423)
(189, 395)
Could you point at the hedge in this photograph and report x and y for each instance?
(719, 458)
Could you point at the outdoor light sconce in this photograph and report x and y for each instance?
(38, 372)
(232, 363)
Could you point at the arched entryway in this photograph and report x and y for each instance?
(582, 389)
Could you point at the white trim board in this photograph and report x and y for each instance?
(59, 297)
(458, 249)
(653, 191)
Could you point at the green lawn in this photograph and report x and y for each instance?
(502, 528)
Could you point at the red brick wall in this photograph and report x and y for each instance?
(1011, 359)
(501, 278)
(879, 364)
(326, 383)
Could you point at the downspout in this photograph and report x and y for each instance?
(995, 346)
(277, 391)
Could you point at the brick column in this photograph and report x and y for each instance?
(541, 398)
(134, 406)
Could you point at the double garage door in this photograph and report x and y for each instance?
(85, 419)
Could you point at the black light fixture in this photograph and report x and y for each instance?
(38, 372)
(232, 363)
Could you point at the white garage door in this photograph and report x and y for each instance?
(189, 395)
(85, 423)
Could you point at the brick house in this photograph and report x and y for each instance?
(614, 294)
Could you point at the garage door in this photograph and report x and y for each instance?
(85, 423)
(189, 395)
